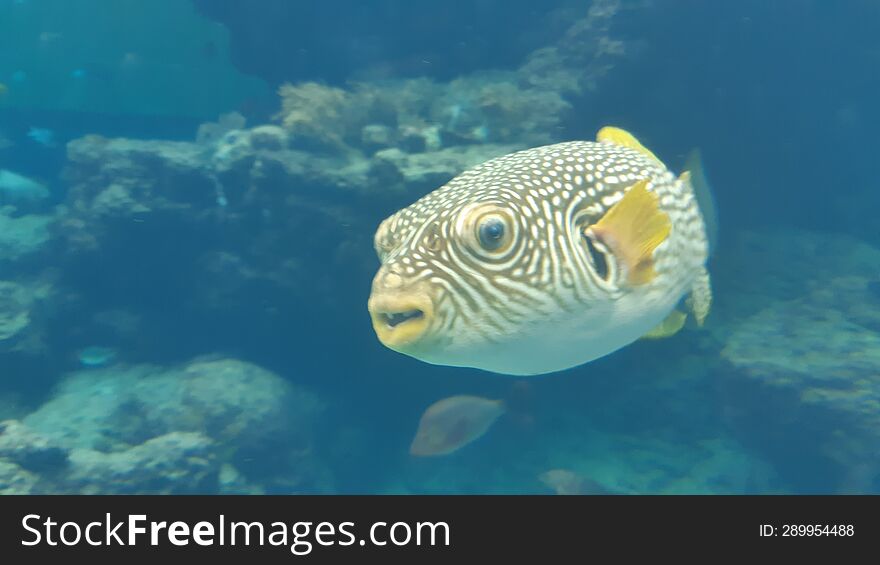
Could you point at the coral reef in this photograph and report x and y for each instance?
(14, 309)
(172, 463)
(587, 51)
(162, 430)
(177, 462)
(22, 236)
(15, 480)
(21, 316)
(418, 115)
(28, 450)
(805, 386)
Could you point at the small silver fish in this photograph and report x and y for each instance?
(542, 260)
(43, 136)
(96, 356)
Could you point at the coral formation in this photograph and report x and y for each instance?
(15, 480)
(20, 317)
(22, 236)
(14, 309)
(418, 115)
(177, 462)
(149, 429)
(28, 450)
(588, 50)
(806, 354)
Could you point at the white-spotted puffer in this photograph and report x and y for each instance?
(542, 259)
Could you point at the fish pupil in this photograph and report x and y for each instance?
(491, 234)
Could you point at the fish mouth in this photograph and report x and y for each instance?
(394, 319)
(400, 321)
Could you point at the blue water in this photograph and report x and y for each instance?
(181, 293)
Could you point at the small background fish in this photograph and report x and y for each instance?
(96, 356)
(451, 423)
(43, 136)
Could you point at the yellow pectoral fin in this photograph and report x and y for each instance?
(622, 137)
(632, 229)
(670, 326)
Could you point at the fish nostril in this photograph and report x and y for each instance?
(392, 280)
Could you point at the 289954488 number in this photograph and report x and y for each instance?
(792, 530)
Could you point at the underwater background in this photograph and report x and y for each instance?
(189, 191)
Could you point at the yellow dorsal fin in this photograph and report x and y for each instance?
(632, 229)
(622, 137)
(670, 326)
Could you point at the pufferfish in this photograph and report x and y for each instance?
(543, 259)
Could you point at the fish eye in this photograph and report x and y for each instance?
(488, 230)
(491, 233)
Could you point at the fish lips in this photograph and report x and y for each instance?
(400, 320)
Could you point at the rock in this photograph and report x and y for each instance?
(23, 235)
(268, 138)
(497, 108)
(210, 133)
(177, 462)
(256, 420)
(587, 51)
(412, 140)
(14, 309)
(241, 403)
(116, 201)
(29, 450)
(376, 136)
(805, 378)
(316, 117)
(15, 480)
(20, 319)
(232, 482)
(233, 151)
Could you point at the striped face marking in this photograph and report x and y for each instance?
(491, 267)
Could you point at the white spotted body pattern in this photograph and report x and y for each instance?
(510, 267)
